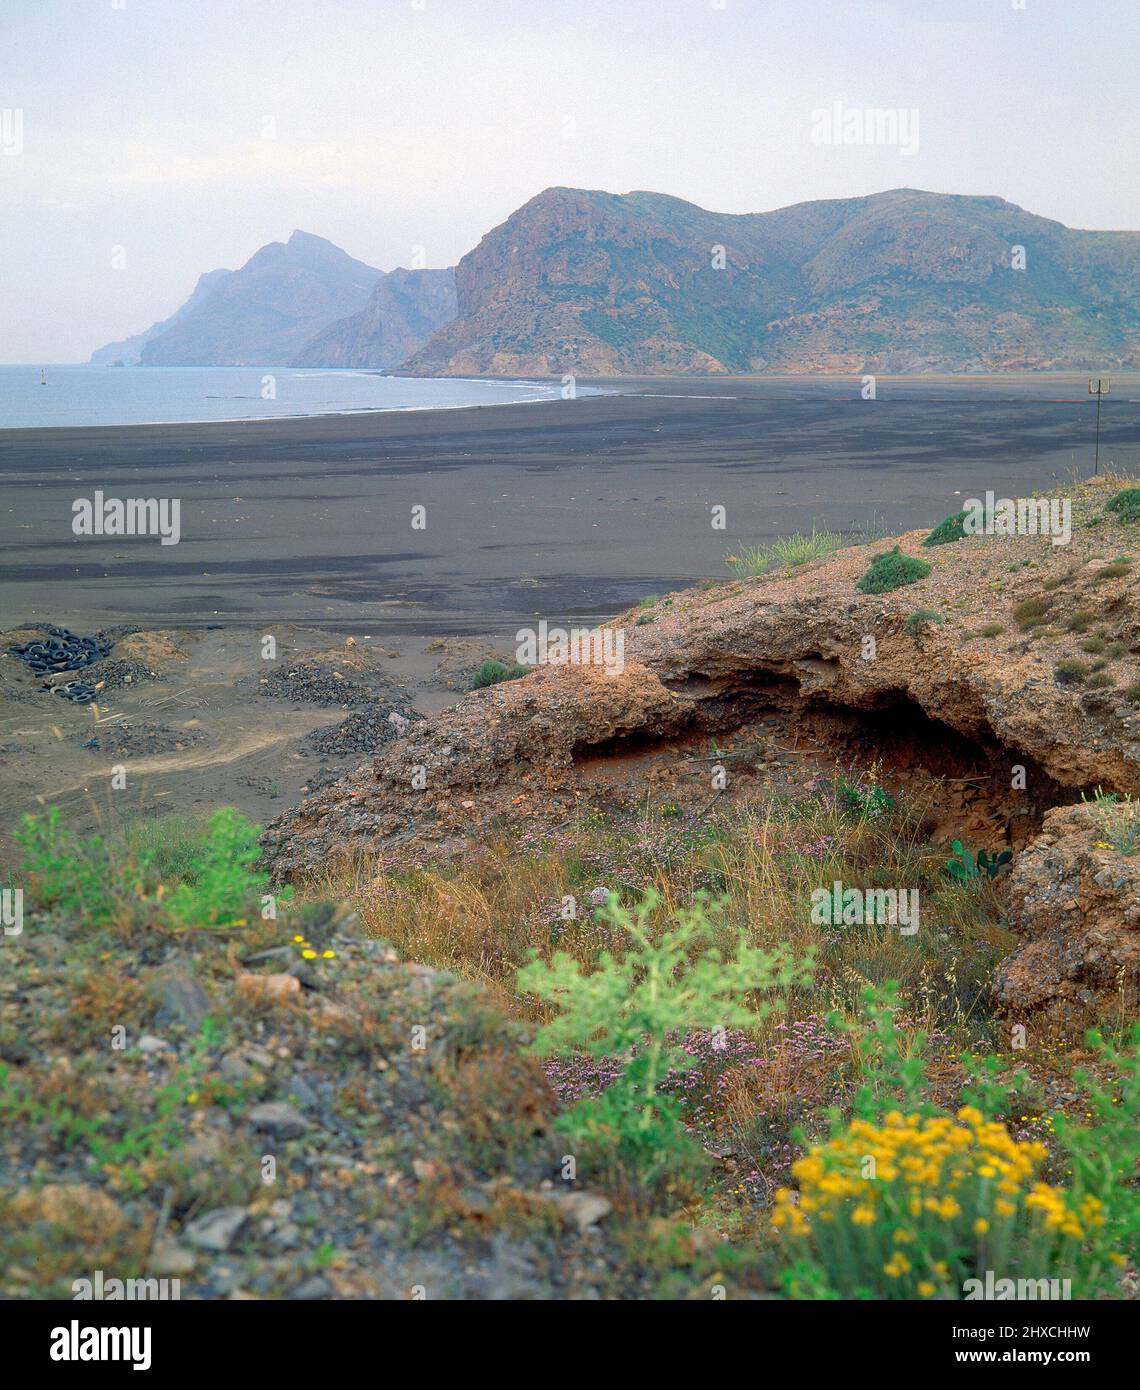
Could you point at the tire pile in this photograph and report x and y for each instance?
(61, 651)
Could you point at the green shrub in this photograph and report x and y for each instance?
(1081, 620)
(892, 570)
(919, 618)
(989, 630)
(222, 888)
(952, 529)
(133, 877)
(638, 1006)
(65, 872)
(1126, 504)
(1116, 570)
(492, 672)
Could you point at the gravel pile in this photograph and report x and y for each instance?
(127, 739)
(366, 731)
(113, 675)
(316, 683)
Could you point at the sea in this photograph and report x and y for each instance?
(86, 396)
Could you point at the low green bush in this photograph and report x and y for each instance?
(892, 570)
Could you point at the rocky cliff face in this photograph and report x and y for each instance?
(265, 313)
(594, 283)
(406, 308)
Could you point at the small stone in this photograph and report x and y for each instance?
(149, 1043)
(171, 1259)
(313, 1287)
(183, 1000)
(279, 1118)
(215, 1230)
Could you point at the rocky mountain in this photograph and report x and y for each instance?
(128, 350)
(266, 312)
(903, 281)
(406, 308)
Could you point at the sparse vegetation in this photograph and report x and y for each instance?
(892, 570)
(1071, 671)
(920, 618)
(1125, 504)
(948, 531)
(797, 549)
(492, 672)
(1030, 613)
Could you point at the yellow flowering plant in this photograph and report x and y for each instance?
(908, 1201)
(913, 1206)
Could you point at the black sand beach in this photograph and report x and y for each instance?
(568, 510)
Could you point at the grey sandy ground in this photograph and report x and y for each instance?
(563, 510)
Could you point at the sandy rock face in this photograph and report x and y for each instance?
(1076, 905)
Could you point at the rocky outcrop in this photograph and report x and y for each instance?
(1075, 903)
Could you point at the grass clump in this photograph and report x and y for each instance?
(1030, 613)
(492, 672)
(1081, 620)
(1126, 504)
(1117, 820)
(892, 570)
(989, 630)
(1070, 671)
(1116, 570)
(794, 550)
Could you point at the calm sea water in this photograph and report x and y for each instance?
(176, 395)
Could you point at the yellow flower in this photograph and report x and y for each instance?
(328, 955)
(863, 1216)
(981, 1226)
(309, 954)
(926, 1289)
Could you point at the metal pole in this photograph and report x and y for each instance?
(1096, 454)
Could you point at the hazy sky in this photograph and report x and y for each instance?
(191, 132)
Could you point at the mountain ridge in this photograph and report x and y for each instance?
(580, 280)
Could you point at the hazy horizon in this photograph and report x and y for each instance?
(191, 135)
